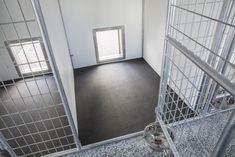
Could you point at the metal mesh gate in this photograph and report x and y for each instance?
(33, 116)
(197, 85)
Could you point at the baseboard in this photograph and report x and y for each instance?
(98, 64)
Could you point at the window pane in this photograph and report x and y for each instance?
(44, 66)
(39, 51)
(24, 69)
(30, 53)
(109, 44)
(19, 55)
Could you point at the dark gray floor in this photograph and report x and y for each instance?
(115, 99)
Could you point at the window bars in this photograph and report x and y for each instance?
(34, 116)
(197, 90)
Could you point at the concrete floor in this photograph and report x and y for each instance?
(115, 99)
(196, 138)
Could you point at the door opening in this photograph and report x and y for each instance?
(109, 43)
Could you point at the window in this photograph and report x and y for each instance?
(109, 43)
(28, 56)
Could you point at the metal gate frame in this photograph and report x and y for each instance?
(216, 73)
(5, 145)
(50, 53)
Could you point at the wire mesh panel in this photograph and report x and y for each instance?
(196, 100)
(33, 120)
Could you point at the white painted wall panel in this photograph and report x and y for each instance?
(57, 38)
(155, 12)
(82, 16)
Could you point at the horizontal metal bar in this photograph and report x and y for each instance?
(184, 75)
(16, 22)
(216, 20)
(63, 153)
(200, 3)
(51, 155)
(6, 146)
(199, 117)
(221, 80)
(45, 141)
(20, 64)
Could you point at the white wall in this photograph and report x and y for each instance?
(155, 12)
(57, 38)
(82, 16)
(7, 69)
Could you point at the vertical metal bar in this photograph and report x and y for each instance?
(21, 10)
(164, 68)
(164, 77)
(199, 106)
(225, 11)
(191, 103)
(225, 138)
(45, 36)
(66, 34)
(119, 41)
(227, 54)
(5, 145)
(224, 82)
(44, 79)
(142, 27)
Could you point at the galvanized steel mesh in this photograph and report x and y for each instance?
(193, 100)
(33, 121)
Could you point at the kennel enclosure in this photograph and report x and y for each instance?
(197, 90)
(34, 115)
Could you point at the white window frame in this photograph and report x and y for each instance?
(121, 42)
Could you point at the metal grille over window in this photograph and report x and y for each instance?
(197, 82)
